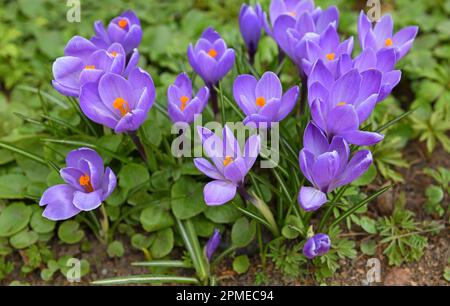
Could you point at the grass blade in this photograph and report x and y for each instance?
(162, 263)
(44, 94)
(147, 279)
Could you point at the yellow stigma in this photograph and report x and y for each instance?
(122, 106)
(85, 181)
(331, 56)
(89, 67)
(184, 100)
(388, 42)
(292, 13)
(341, 103)
(212, 53)
(260, 101)
(227, 160)
(123, 23)
(113, 53)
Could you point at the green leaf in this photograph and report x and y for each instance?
(369, 247)
(203, 227)
(13, 186)
(369, 225)
(241, 264)
(243, 232)
(66, 265)
(14, 218)
(140, 241)
(434, 194)
(70, 232)
(163, 243)
(292, 228)
(155, 218)
(187, 198)
(41, 225)
(23, 239)
(222, 214)
(132, 175)
(115, 249)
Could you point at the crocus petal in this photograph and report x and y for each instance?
(72, 177)
(362, 138)
(365, 108)
(79, 47)
(339, 145)
(357, 166)
(321, 74)
(317, 92)
(329, 16)
(87, 201)
(113, 86)
(314, 140)
(269, 86)
(210, 34)
(405, 35)
(109, 183)
(271, 109)
(75, 156)
(59, 201)
(244, 86)
(367, 60)
(364, 25)
(93, 107)
(204, 166)
(370, 84)
(288, 102)
(183, 82)
(225, 64)
(131, 121)
(306, 161)
(251, 150)
(325, 169)
(341, 119)
(133, 38)
(311, 199)
(236, 171)
(318, 113)
(384, 28)
(345, 89)
(230, 144)
(219, 192)
(329, 40)
(282, 24)
(386, 60)
(140, 79)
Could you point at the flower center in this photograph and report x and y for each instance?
(184, 100)
(331, 56)
(388, 42)
(113, 53)
(122, 106)
(89, 67)
(227, 160)
(292, 13)
(85, 181)
(212, 52)
(260, 101)
(123, 23)
(341, 103)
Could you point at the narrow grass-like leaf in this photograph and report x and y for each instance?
(163, 263)
(44, 94)
(147, 279)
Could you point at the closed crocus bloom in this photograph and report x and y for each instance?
(118, 103)
(263, 101)
(382, 36)
(250, 24)
(317, 245)
(339, 107)
(84, 62)
(326, 166)
(125, 30)
(229, 165)
(87, 184)
(326, 47)
(210, 57)
(182, 104)
(212, 244)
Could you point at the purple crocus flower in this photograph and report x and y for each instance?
(292, 33)
(84, 62)
(230, 165)
(326, 47)
(87, 185)
(125, 30)
(212, 244)
(381, 36)
(317, 245)
(339, 107)
(118, 103)
(251, 24)
(263, 100)
(326, 166)
(210, 57)
(182, 104)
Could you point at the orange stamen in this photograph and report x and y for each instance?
(341, 104)
(292, 13)
(113, 53)
(123, 23)
(388, 42)
(227, 160)
(212, 53)
(331, 56)
(85, 181)
(260, 101)
(122, 106)
(89, 67)
(184, 100)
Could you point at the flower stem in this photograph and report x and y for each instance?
(213, 96)
(104, 223)
(327, 214)
(262, 208)
(139, 145)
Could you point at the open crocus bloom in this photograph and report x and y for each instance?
(118, 103)
(317, 245)
(291, 33)
(210, 57)
(182, 106)
(125, 30)
(87, 185)
(339, 107)
(84, 62)
(325, 47)
(229, 165)
(263, 100)
(382, 35)
(326, 166)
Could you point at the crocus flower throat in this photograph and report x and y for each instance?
(184, 101)
(85, 181)
(122, 105)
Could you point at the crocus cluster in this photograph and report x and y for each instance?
(87, 184)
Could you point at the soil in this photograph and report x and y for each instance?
(428, 271)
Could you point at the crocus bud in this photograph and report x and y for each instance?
(250, 26)
(212, 244)
(317, 245)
